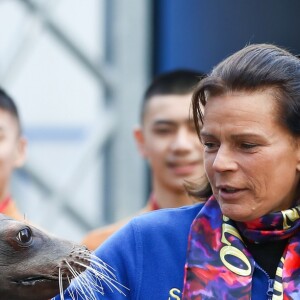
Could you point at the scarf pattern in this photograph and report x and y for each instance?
(219, 266)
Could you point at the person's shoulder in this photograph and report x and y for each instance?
(183, 211)
(166, 217)
(152, 234)
(148, 223)
(97, 236)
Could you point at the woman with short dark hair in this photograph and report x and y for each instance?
(244, 241)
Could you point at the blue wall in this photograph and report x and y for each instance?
(200, 33)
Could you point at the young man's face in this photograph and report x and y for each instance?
(12, 148)
(169, 142)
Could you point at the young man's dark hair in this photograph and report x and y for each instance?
(177, 82)
(8, 104)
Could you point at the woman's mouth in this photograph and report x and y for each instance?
(229, 192)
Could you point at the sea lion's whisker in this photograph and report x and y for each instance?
(105, 268)
(88, 291)
(92, 281)
(95, 259)
(88, 280)
(60, 284)
(71, 269)
(101, 274)
(72, 295)
(111, 283)
(74, 272)
(70, 292)
(79, 291)
(81, 283)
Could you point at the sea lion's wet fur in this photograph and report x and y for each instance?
(31, 262)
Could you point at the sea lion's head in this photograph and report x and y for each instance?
(33, 263)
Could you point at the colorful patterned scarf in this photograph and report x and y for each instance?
(220, 267)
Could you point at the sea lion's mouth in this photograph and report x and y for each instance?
(36, 287)
(35, 280)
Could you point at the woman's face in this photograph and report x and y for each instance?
(251, 160)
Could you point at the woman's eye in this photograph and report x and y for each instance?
(210, 145)
(24, 236)
(248, 145)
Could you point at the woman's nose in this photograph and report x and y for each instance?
(224, 160)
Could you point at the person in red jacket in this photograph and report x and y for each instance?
(167, 139)
(12, 152)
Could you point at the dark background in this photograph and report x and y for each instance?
(198, 34)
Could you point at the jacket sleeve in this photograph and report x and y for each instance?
(118, 262)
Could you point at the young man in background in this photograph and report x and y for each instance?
(168, 140)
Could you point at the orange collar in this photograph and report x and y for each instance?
(153, 202)
(4, 204)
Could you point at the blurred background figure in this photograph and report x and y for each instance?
(77, 82)
(78, 70)
(12, 153)
(167, 139)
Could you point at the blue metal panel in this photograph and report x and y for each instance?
(199, 33)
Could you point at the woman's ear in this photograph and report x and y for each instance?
(298, 154)
(20, 155)
(140, 141)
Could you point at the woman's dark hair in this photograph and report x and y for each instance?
(257, 67)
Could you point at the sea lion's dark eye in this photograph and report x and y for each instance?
(24, 236)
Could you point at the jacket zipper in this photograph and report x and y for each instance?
(270, 283)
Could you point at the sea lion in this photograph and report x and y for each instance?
(35, 265)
